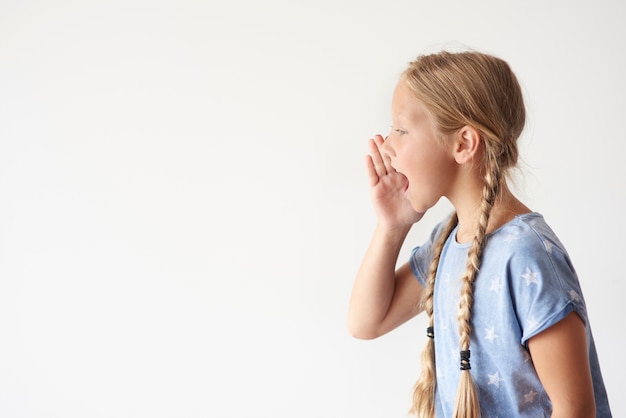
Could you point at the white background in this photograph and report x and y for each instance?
(183, 204)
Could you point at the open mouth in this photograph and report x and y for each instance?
(406, 182)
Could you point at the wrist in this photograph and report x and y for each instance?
(393, 232)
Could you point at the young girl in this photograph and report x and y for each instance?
(508, 325)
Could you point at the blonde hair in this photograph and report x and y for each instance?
(479, 90)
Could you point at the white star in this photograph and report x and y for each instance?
(496, 285)
(495, 379)
(531, 323)
(490, 334)
(510, 238)
(574, 297)
(530, 276)
(530, 396)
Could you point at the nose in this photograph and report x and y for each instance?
(387, 147)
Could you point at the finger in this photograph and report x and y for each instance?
(385, 157)
(377, 158)
(372, 176)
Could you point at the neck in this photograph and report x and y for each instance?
(505, 208)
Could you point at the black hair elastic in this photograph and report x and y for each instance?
(430, 332)
(465, 360)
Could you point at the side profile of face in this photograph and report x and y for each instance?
(417, 151)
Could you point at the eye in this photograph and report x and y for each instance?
(400, 131)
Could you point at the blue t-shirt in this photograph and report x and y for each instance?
(526, 284)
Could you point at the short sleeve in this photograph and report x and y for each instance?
(545, 287)
(422, 255)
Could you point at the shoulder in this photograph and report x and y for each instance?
(423, 254)
(528, 243)
(527, 236)
(529, 228)
(540, 277)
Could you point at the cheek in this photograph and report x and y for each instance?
(432, 168)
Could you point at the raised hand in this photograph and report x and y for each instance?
(387, 188)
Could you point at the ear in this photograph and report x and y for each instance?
(467, 144)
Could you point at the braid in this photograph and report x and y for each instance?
(424, 389)
(467, 404)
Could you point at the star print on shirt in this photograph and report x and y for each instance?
(495, 379)
(496, 285)
(531, 277)
(510, 238)
(530, 396)
(531, 323)
(574, 297)
(490, 334)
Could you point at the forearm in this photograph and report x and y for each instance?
(375, 283)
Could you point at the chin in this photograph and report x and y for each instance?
(419, 205)
(422, 207)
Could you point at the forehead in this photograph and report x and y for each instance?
(405, 106)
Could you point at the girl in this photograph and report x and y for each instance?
(503, 300)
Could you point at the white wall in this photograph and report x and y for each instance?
(183, 204)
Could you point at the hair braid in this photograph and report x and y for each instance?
(424, 389)
(467, 402)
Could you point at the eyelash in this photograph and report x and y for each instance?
(400, 131)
